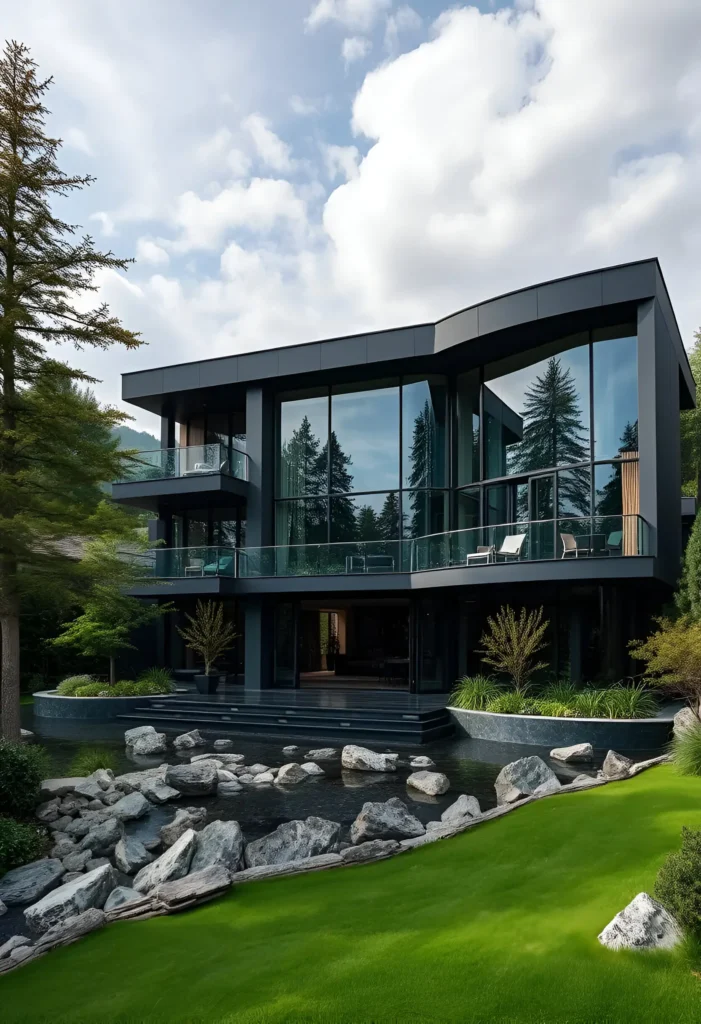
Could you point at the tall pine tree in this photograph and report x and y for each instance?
(343, 513)
(54, 451)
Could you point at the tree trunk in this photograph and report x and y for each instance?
(9, 692)
(113, 672)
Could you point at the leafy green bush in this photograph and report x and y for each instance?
(68, 687)
(160, 677)
(634, 701)
(562, 691)
(678, 885)
(589, 704)
(511, 703)
(124, 688)
(22, 768)
(89, 759)
(20, 844)
(473, 693)
(551, 708)
(686, 750)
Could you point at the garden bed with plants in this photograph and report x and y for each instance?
(83, 696)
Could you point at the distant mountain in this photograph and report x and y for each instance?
(139, 439)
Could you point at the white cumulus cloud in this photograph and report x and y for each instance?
(354, 48)
(270, 148)
(353, 14)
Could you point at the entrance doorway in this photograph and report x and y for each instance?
(352, 643)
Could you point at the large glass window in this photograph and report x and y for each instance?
(301, 522)
(423, 432)
(424, 512)
(303, 446)
(615, 362)
(468, 427)
(468, 508)
(537, 415)
(574, 492)
(365, 438)
(365, 517)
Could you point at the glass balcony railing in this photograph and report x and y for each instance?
(551, 539)
(193, 461)
(182, 563)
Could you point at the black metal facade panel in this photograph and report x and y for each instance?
(689, 385)
(508, 311)
(142, 383)
(181, 491)
(259, 365)
(456, 329)
(181, 378)
(299, 359)
(344, 352)
(219, 371)
(634, 281)
(424, 340)
(569, 295)
(387, 345)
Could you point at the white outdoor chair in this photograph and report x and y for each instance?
(483, 555)
(195, 567)
(511, 546)
(569, 545)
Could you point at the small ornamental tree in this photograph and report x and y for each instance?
(208, 634)
(673, 657)
(511, 644)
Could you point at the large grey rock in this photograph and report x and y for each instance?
(72, 928)
(321, 754)
(290, 867)
(291, 774)
(464, 807)
(77, 861)
(90, 890)
(522, 778)
(49, 810)
(373, 849)
(258, 769)
(223, 744)
(228, 760)
(312, 768)
(291, 749)
(121, 895)
(132, 735)
(136, 781)
(97, 862)
(643, 924)
(70, 876)
(78, 829)
(30, 882)
(197, 779)
(130, 807)
(61, 823)
(185, 818)
(64, 847)
(59, 787)
(388, 820)
(226, 789)
(14, 942)
(294, 840)
(90, 788)
(263, 778)
(194, 888)
(430, 783)
(616, 766)
(130, 855)
(157, 792)
(104, 777)
(174, 863)
(3, 909)
(103, 838)
(685, 721)
(221, 842)
(189, 740)
(21, 953)
(150, 743)
(364, 760)
(573, 754)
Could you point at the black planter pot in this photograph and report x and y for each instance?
(207, 684)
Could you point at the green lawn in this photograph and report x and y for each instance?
(496, 925)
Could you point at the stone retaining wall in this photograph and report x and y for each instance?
(49, 704)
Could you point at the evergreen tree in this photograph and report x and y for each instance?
(422, 448)
(303, 470)
(609, 500)
(55, 447)
(367, 525)
(343, 514)
(691, 430)
(554, 434)
(688, 597)
(388, 519)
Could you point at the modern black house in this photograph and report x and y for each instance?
(361, 504)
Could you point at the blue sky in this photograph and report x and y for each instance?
(295, 169)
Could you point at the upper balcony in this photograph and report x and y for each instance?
(583, 548)
(175, 475)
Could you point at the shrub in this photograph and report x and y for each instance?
(589, 704)
(562, 691)
(512, 703)
(89, 759)
(686, 750)
(124, 688)
(511, 644)
(673, 657)
(160, 677)
(68, 687)
(473, 693)
(20, 843)
(678, 885)
(551, 708)
(22, 768)
(634, 701)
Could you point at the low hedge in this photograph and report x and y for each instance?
(22, 768)
(20, 843)
(558, 700)
(151, 684)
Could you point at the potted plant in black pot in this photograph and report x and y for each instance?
(209, 636)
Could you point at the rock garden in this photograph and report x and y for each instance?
(96, 871)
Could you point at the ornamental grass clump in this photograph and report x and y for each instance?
(678, 884)
(511, 644)
(90, 759)
(510, 703)
(632, 701)
(686, 751)
(473, 693)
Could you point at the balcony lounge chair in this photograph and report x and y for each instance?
(222, 567)
(369, 563)
(195, 567)
(614, 543)
(511, 547)
(482, 556)
(569, 545)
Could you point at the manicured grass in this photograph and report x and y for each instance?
(497, 925)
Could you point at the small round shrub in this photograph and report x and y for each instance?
(686, 751)
(22, 768)
(678, 885)
(473, 693)
(20, 843)
(89, 759)
(123, 688)
(68, 687)
(511, 703)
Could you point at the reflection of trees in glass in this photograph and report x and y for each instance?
(303, 468)
(344, 526)
(366, 524)
(554, 433)
(629, 438)
(609, 498)
(388, 519)
(422, 444)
